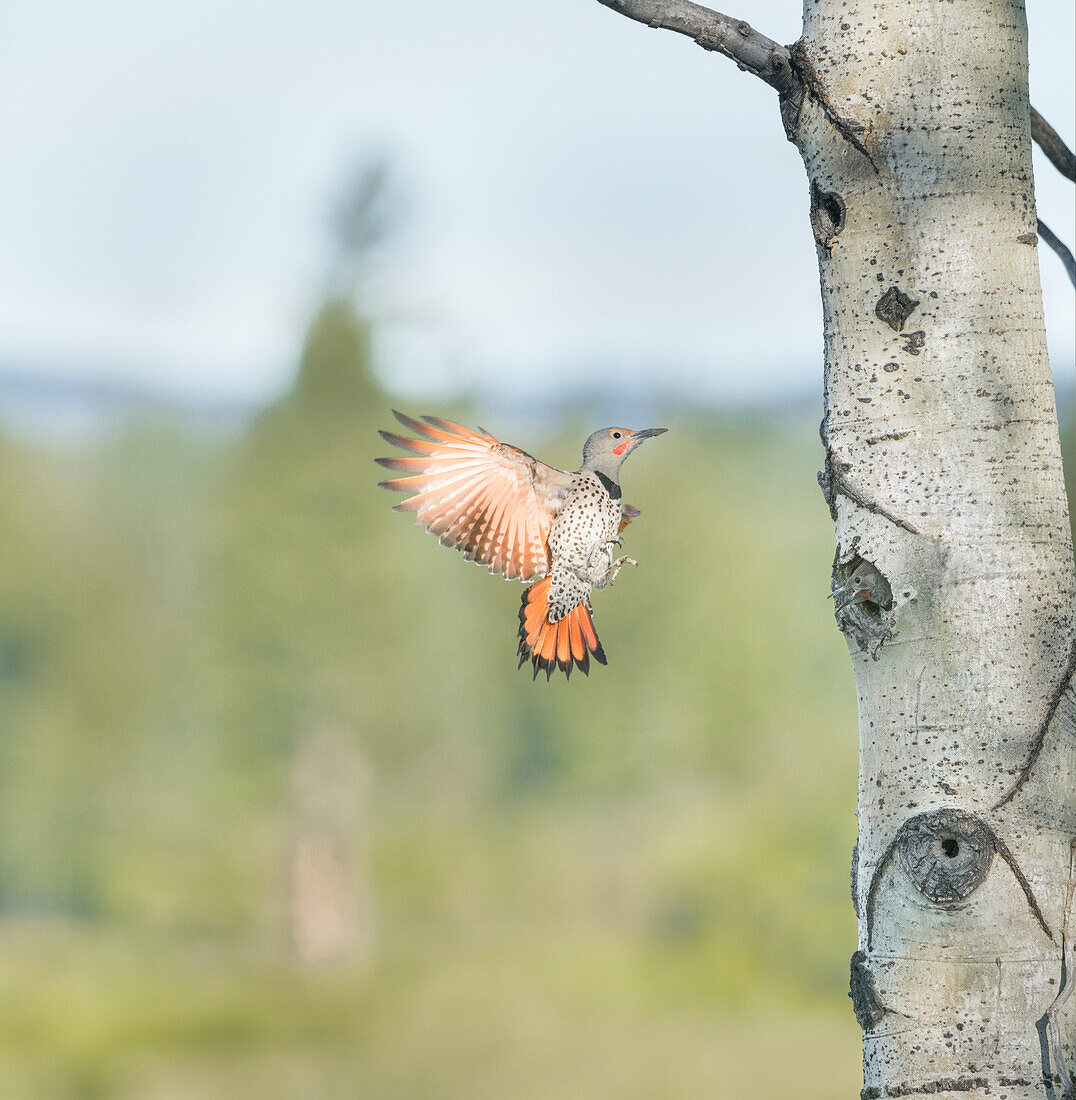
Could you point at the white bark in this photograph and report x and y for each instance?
(957, 591)
(945, 476)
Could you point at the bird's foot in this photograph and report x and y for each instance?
(603, 548)
(618, 565)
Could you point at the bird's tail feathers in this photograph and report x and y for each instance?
(565, 644)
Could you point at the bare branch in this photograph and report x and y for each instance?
(1049, 141)
(1059, 246)
(752, 51)
(786, 68)
(1063, 159)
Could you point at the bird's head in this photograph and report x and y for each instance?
(607, 448)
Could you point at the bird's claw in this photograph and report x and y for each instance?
(619, 564)
(603, 548)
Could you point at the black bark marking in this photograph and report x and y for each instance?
(841, 485)
(1049, 1029)
(1040, 734)
(943, 1084)
(1044, 1057)
(833, 480)
(827, 216)
(1050, 1037)
(792, 107)
(876, 881)
(855, 877)
(848, 128)
(866, 1004)
(887, 437)
(1006, 855)
(946, 853)
(827, 480)
(916, 342)
(895, 307)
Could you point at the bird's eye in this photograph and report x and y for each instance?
(616, 435)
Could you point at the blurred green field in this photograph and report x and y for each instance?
(280, 818)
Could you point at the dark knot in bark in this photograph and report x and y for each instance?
(894, 308)
(946, 853)
(862, 988)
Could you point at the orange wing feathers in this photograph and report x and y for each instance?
(492, 501)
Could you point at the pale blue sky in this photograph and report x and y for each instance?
(582, 191)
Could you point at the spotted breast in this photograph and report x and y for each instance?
(589, 518)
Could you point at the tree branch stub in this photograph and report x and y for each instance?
(862, 988)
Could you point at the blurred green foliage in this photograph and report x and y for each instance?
(219, 655)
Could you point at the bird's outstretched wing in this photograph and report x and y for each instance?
(492, 501)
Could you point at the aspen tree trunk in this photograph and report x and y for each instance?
(953, 577)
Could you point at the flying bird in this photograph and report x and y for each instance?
(505, 509)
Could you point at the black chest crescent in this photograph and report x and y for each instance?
(611, 487)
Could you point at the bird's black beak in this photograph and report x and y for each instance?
(645, 433)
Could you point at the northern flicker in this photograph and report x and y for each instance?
(504, 509)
